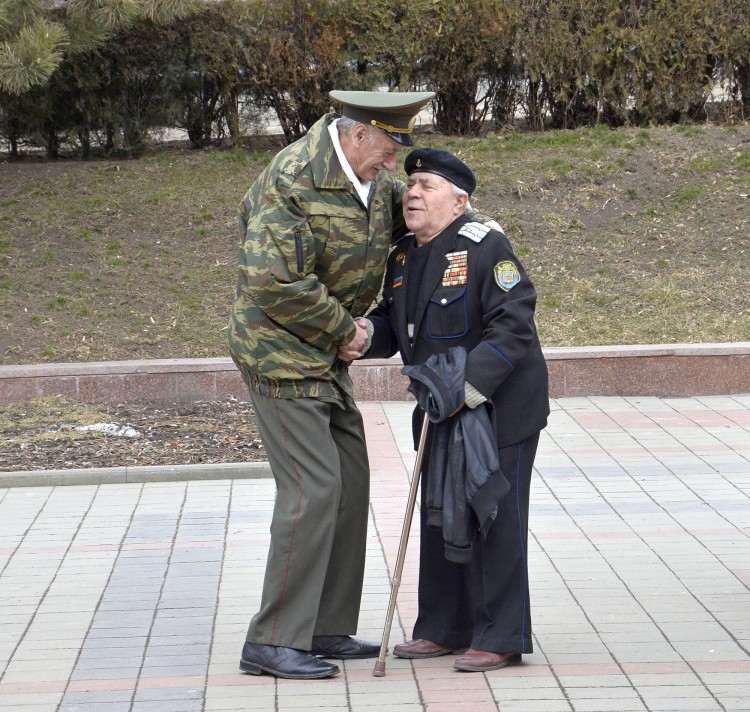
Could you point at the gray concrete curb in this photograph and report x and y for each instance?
(128, 475)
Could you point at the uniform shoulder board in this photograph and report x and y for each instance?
(474, 231)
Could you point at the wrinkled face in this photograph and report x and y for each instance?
(430, 205)
(372, 152)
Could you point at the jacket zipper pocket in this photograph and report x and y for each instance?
(298, 250)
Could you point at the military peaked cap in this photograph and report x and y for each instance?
(393, 112)
(441, 163)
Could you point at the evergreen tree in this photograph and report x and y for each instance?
(37, 35)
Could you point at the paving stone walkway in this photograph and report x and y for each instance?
(135, 597)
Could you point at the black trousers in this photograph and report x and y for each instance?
(483, 604)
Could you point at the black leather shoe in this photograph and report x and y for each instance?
(343, 647)
(284, 662)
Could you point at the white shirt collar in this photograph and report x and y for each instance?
(363, 189)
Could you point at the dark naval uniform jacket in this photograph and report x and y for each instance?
(474, 293)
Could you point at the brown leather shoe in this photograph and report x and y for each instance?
(420, 648)
(482, 661)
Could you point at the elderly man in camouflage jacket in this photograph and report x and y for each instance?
(316, 227)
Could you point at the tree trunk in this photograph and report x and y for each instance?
(232, 114)
(743, 78)
(53, 144)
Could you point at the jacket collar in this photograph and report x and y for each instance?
(326, 168)
(445, 241)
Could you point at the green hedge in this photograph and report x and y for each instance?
(548, 63)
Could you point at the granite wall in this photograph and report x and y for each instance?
(665, 371)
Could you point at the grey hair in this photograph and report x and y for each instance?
(461, 191)
(346, 125)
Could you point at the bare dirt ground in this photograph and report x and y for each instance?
(43, 435)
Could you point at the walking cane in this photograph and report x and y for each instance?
(379, 670)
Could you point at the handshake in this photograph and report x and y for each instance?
(360, 344)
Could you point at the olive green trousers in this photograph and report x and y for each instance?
(315, 568)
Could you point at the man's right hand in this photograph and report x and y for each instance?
(357, 345)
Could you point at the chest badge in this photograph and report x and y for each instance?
(507, 275)
(455, 273)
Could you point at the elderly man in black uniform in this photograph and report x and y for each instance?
(456, 283)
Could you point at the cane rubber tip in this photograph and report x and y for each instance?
(379, 670)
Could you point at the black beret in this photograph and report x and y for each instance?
(441, 163)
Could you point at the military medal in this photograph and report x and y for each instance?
(455, 273)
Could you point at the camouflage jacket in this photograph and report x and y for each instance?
(311, 259)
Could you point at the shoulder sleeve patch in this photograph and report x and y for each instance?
(474, 231)
(507, 275)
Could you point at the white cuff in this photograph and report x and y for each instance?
(472, 397)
